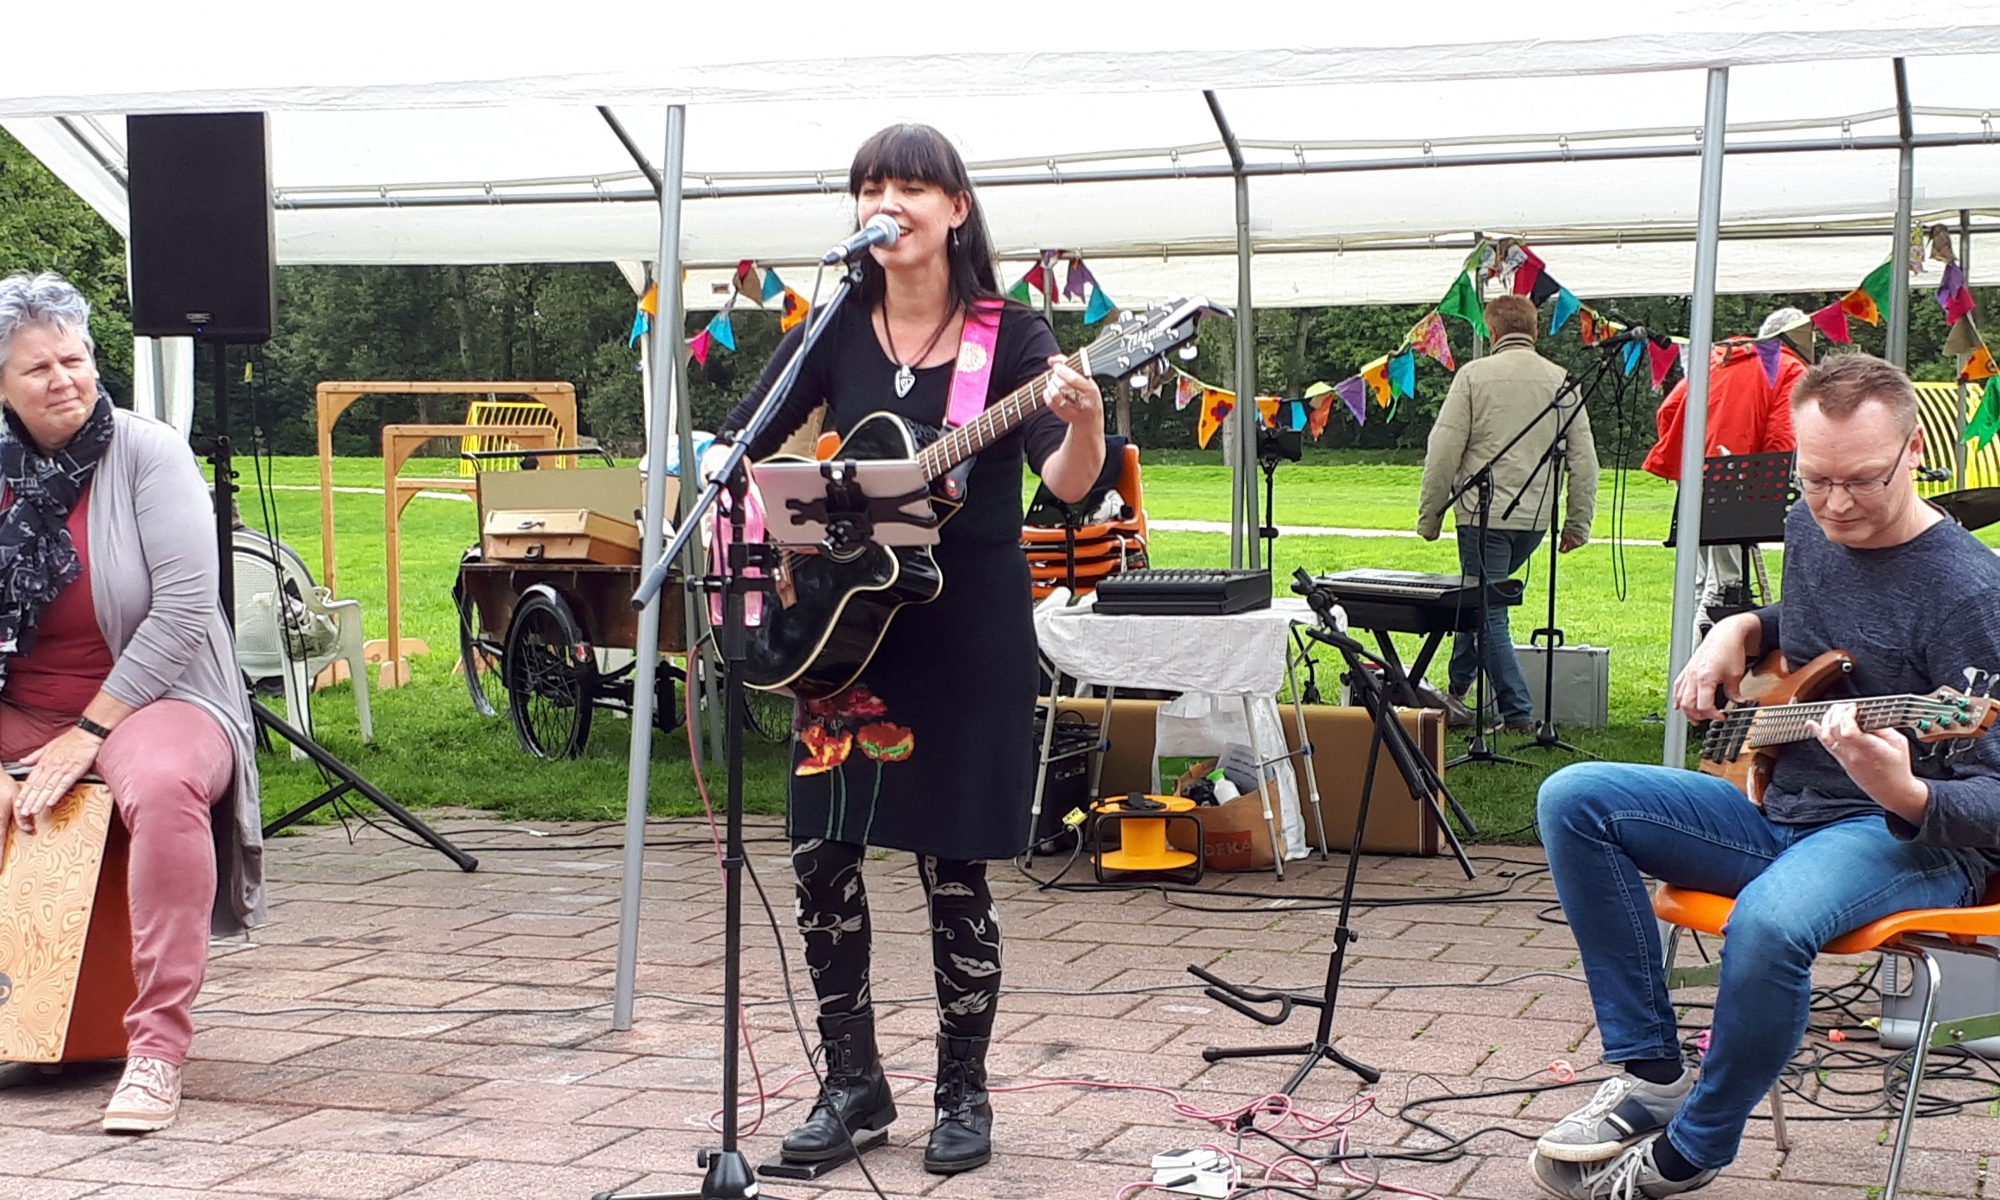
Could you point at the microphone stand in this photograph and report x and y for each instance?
(1481, 480)
(728, 1175)
(1550, 635)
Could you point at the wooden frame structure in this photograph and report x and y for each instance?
(399, 444)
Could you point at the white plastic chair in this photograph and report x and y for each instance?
(262, 650)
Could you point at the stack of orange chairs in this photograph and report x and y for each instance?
(1063, 551)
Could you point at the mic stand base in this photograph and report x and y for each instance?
(728, 1178)
(1477, 751)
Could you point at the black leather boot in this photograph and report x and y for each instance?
(855, 1101)
(963, 1136)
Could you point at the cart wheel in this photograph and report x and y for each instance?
(767, 715)
(668, 715)
(551, 676)
(479, 657)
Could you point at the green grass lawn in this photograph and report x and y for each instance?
(432, 748)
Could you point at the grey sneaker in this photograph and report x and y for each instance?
(1625, 1109)
(1630, 1176)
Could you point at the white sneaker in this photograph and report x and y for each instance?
(1631, 1176)
(1625, 1109)
(148, 1097)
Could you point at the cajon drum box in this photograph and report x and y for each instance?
(66, 935)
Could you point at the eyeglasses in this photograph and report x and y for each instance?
(1858, 489)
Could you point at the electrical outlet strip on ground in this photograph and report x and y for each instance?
(1193, 1173)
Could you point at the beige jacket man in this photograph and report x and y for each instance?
(1492, 399)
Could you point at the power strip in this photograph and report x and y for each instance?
(1194, 1173)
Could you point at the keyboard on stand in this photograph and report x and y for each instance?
(1385, 602)
(1184, 591)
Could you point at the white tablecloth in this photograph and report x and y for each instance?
(1214, 661)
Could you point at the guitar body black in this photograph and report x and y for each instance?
(831, 613)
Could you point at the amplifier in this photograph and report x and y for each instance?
(1971, 989)
(1583, 683)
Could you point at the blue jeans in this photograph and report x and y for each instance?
(1796, 889)
(1504, 552)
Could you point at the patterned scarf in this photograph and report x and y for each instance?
(37, 558)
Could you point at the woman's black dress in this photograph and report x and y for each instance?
(932, 750)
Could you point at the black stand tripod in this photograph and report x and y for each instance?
(1273, 447)
(345, 778)
(1550, 636)
(727, 1173)
(1424, 783)
(1481, 481)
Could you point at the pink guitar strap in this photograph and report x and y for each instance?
(975, 363)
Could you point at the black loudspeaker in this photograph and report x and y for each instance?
(202, 245)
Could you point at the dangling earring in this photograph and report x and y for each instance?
(954, 237)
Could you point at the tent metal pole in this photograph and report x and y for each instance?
(1694, 435)
(1964, 417)
(1897, 350)
(638, 776)
(646, 168)
(1244, 548)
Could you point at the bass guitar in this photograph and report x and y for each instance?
(831, 607)
(1742, 745)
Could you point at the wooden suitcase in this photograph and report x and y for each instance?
(66, 935)
(559, 535)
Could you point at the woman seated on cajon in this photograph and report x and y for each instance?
(115, 659)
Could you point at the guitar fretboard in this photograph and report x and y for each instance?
(957, 445)
(1779, 724)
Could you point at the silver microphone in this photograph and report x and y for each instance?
(881, 230)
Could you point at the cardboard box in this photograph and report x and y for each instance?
(558, 535)
(1234, 835)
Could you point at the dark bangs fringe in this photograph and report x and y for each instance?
(916, 152)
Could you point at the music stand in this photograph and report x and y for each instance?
(1744, 501)
(1423, 781)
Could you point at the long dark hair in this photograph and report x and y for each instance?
(919, 152)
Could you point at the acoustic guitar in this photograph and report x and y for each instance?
(833, 607)
(1742, 745)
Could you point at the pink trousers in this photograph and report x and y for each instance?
(166, 764)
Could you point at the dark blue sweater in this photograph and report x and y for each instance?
(1915, 617)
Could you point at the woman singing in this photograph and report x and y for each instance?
(115, 659)
(931, 751)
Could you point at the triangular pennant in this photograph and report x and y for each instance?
(1322, 408)
(650, 302)
(748, 282)
(1216, 405)
(1768, 353)
(1953, 294)
(1528, 272)
(1462, 301)
(774, 287)
(1185, 390)
(1589, 327)
(1979, 367)
(1037, 278)
(698, 347)
(1986, 421)
(1664, 358)
(1376, 375)
(1078, 279)
(1019, 292)
(723, 333)
(1860, 306)
(1964, 338)
(641, 326)
(1267, 411)
(1295, 415)
(1353, 391)
(1633, 351)
(1429, 335)
(1832, 321)
(795, 311)
(1403, 373)
(1879, 282)
(1100, 306)
(1545, 289)
(1566, 303)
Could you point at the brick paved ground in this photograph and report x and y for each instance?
(401, 1030)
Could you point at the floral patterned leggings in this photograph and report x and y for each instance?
(965, 934)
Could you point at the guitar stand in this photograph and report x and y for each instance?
(1424, 783)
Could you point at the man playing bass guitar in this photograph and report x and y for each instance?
(1856, 823)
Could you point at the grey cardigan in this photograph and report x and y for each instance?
(154, 583)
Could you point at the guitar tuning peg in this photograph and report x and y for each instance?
(1188, 352)
(1138, 381)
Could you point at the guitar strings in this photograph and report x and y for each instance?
(962, 443)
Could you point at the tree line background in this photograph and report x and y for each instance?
(570, 323)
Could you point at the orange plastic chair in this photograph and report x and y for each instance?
(1916, 936)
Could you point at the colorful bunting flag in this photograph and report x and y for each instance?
(698, 347)
(1663, 358)
(1295, 415)
(1185, 390)
(1319, 399)
(1860, 306)
(1376, 375)
(641, 326)
(1403, 373)
(1832, 321)
(1768, 352)
(1986, 421)
(1879, 282)
(795, 311)
(1566, 303)
(1590, 327)
(1462, 301)
(1632, 352)
(720, 331)
(748, 282)
(1429, 335)
(774, 287)
(1267, 411)
(1980, 366)
(1100, 307)
(1354, 391)
(1528, 272)
(1037, 278)
(1078, 279)
(1216, 405)
(1964, 337)
(1952, 294)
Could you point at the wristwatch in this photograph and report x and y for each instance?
(93, 728)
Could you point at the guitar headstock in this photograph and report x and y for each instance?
(1956, 716)
(1139, 339)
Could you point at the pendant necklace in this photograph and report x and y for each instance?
(906, 378)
